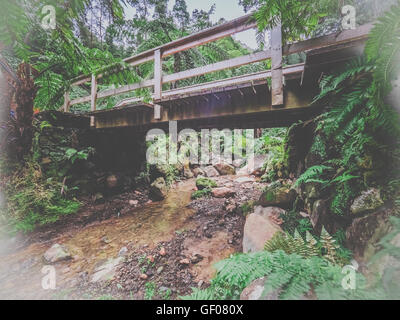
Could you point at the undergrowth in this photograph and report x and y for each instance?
(34, 200)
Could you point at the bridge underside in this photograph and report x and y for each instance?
(243, 103)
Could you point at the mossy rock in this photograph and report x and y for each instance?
(275, 196)
(204, 183)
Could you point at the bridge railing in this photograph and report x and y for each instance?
(275, 53)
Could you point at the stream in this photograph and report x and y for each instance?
(144, 227)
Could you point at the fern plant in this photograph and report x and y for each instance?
(325, 248)
(290, 275)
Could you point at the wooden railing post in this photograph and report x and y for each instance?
(276, 66)
(157, 83)
(93, 98)
(66, 101)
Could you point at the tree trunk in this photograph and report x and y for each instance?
(25, 95)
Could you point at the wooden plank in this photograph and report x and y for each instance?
(226, 64)
(93, 98)
(66, 101)
(211, 34)
(208, 35)
(208, 39)
(329, 40)
(290, 70)
(276, 66)
(125, 89)
(115, 91)
(157, 75)
(80, 100)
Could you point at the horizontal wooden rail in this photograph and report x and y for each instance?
(289, 70)
(208, 35)
(197, 39)
(218, 66)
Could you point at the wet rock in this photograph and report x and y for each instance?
(105, 240)
(254, 166)
(56, 253)
(133, 202)
(222, 192)
(158, 189)
(123, 251)
(210, 171)
(224, 168)
(280, 196)
(107, 270)
(368, 201)
(261, 226)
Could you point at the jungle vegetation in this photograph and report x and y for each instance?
(356, 138)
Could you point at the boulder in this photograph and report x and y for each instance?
(106, 271)
(204, 183)
(321, 216)
(222, 192)
(261, 226)
(278, 196)
(254, 165)
(56, 253)
(368, 201)
(187, 173)
(364, 233)
(238, 162)
(224, 168)
(158, 189)
(210, 171)
(198, 172)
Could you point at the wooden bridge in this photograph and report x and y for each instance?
(240, 102)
